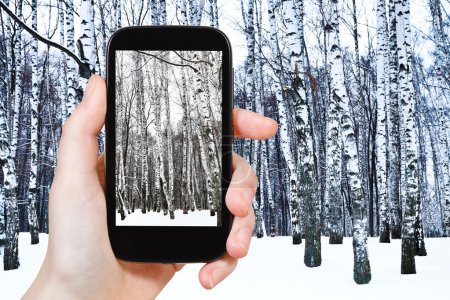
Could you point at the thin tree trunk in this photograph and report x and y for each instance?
(393, 128)
(72, 76)
(382, 94)
(284, 131)
(34, 101)
(408, 115)
(8, 197)
(361, 269)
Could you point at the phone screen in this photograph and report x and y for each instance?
(168, 138)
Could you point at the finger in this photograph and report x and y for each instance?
(78, 148)
(101, 170)
(242, 187)
(214, 272)
(251, 125)
(240, 236)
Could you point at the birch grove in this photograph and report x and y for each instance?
(360, 90)
(169, 114)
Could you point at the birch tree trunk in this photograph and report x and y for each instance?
(307, 176)
(170, 192)
(18, 86)
(442, 63)
(207, 138)
(86, 42)
(6, 31)
(249, 68)
(361, 269)
(408, 115)
(441, 41)
(333, 149)
(382, 94)
(213, 14)
(34, 101)
(62, 65)
(284, 132)
(118, 13)
(72, 74)
(8, 197)
(394, 128)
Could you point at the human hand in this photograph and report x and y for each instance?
(80, 263)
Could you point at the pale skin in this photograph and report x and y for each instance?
(79, 263)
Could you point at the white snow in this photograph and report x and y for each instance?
(193, 218)
(274, 269)
(14, 283)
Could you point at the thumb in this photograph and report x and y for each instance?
(78, 148)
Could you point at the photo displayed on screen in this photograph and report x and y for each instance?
(168, 138)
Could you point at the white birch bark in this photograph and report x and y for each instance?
(170, 193)
(394, 128)
(185, 192)
(162, 12)
(8, 196)
(333, 149)
(361, 268)
(408, 119)
(72, 74)
(213, 14)
(8, 64)
(207, 137)
(307, 175)
(18, 86)
(34, 101)
(154, 12)
(284, 134)
(86, 42)
(181, 7)
(249, 68)
(118, 13)
(442, 63)
(62, 65)
(382, 94)
(159, 170)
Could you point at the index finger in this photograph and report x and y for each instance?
(251, 125)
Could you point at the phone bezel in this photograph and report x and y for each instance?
(162, 243)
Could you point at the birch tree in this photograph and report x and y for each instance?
(442, 63)
(86, 42)
(72, 81)
(284, 131)
(249, 24)
(62, 64)
(394, 128)
(307, 176)
(361, 269)
(382, 94)
(34, 102)
(8, 197)
(408, 116)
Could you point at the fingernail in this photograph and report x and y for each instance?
(242, 237)
(89, 87)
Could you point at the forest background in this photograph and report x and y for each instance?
(360, 90)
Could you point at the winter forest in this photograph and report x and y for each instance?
(168, 135)
(360, 90)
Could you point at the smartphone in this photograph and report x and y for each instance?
(168, 138)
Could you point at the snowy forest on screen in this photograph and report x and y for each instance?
(360, 90)
(168, 137)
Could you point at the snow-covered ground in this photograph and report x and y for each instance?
(274, 269)
(193, 218)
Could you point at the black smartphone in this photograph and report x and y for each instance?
(168, 143)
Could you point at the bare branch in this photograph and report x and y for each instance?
(83, 68)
